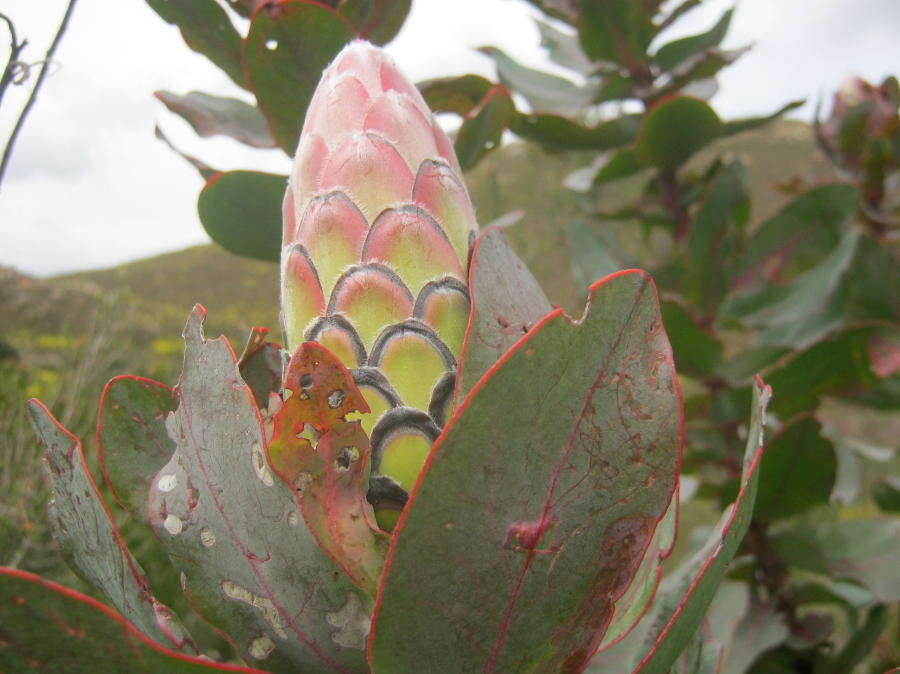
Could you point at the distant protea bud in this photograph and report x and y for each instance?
(862, 134)
(377, 223)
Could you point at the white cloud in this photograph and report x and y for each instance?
(89, 186)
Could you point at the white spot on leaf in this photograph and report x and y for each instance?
(207, 538)
(167, 482)
(261, 466)
(262, 604)
(261, 647)
(352, 623)
(173, 524)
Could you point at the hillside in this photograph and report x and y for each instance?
(137, 310)
(240, 293)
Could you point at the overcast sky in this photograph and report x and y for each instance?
(89, 186)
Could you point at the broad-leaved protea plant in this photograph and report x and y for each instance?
(440, 472)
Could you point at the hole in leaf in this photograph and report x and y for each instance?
(261, 466)
(345, 458)
(336, 399)
(302, 481)
(271, 44)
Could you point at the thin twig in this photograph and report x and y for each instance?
(48, 59)
(15, 48)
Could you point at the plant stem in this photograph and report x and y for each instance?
(671, 199)
(668, 178)
(48, 58)
(773, 575)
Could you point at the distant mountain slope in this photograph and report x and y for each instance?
(239, 293)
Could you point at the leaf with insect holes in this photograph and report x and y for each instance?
(51, 628)
(331, 476)
(288, 46)
(506, 303)
(89, 540)
(540, 498)
(233, 530)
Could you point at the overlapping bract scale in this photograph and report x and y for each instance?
(377, 223)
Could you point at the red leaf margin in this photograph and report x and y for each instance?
(472, 262)
(749, 472)
(143, 583)
(127, 627)
(521, 344)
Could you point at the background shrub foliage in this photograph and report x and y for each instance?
(790, 273)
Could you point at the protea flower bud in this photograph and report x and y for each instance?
(860, 111)
(862, 137)
(377, 224)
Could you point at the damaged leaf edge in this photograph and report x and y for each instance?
(593, 289)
